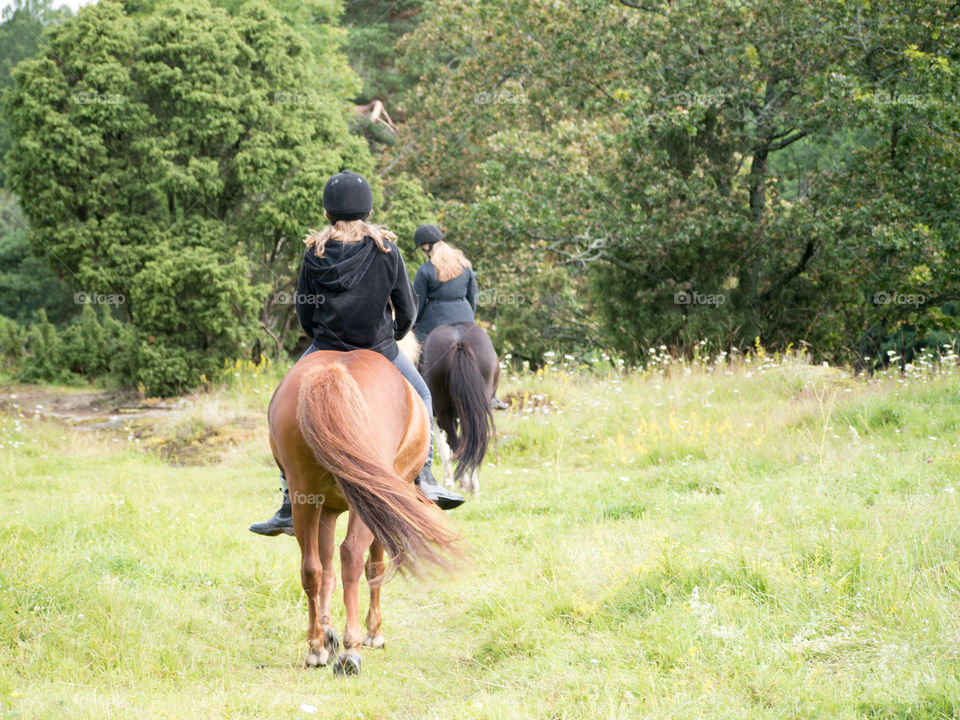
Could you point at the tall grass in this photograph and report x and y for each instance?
(748, 538)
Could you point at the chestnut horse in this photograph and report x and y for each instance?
(349, 433)
(461, 369)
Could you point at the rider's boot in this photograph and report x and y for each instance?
(281, 522)
(446, 499)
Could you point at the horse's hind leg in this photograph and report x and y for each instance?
(472, 484)
(352, 550)
(328, 581)
(306, 523)
(374, 569)
(443, 449)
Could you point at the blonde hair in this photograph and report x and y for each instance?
(348, 231)
(448, 261)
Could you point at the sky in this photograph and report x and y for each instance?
(72, 4)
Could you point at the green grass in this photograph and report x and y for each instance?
(769, 541)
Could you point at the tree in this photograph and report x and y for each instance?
(373, 29)
(21, 36)
(642, 146)
(27, 284)
(180, 132)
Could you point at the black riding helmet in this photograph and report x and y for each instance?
(347, 196)
(427, 235)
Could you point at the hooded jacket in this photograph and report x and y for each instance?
(440, 303)
(344, 298)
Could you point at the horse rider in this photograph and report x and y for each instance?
(446, 286)
(445, 283)
(352, 274)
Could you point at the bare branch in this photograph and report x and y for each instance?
(639, 6)
(786, 141)
(777, 287)
(406, 148)
(376, 113)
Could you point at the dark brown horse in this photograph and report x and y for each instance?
(351, 434)
(461, 369)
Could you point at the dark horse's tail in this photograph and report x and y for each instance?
(333, 420)
(472, 406)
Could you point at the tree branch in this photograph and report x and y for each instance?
(770, 147)
(639, 6)
(777, 287)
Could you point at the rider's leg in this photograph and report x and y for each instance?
(446, 499)
(282, 520)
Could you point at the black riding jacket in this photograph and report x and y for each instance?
(443, 302)
(344, 298)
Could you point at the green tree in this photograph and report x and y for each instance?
(644, 147)
(27, 283)
(374, 27)
(180, 132)
(21, 36)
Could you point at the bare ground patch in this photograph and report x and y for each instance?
(191, 430)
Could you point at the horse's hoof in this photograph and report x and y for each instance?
(318, 659)
(347, 664)
(330, 640)
(378, 642)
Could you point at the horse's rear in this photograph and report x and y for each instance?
(350, 433)
(461, 368)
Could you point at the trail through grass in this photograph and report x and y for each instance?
(771, 540)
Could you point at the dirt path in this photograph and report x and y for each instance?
(83, 409)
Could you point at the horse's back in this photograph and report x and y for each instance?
(437, 347)
(378, 380)
(439, 342)
(388, 401)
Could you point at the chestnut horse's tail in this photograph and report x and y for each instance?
(467, 390)
(334, 421)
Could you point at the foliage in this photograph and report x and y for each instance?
(179, 133)
(640, 146)
(27, 283)
(623, 175)
(373, 29)
(186, 311)
(408, 206)
(21, 36)
(93, 345)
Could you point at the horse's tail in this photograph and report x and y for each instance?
(410, 346)
(334, 421)
(468, 395)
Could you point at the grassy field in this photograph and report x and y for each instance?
(761, 540)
